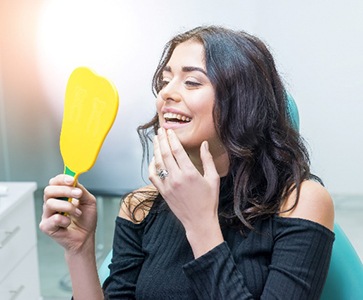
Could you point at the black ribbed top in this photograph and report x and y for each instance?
(282, 258)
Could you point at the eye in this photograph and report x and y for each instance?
(164, 82)
(191, 83)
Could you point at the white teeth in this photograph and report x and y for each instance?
(176, 116)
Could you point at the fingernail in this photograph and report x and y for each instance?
(206, 145)
(68, 179)
(76, 192)
(78, 212)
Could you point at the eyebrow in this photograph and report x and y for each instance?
(187, 69)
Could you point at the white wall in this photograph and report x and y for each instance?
(317, 45)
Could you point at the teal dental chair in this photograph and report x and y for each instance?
(345, 276)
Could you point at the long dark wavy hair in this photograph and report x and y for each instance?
(268, 158)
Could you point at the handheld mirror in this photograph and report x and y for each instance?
(90, 108)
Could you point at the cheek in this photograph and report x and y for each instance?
(205, 109)
(158, 102)
(158, 105)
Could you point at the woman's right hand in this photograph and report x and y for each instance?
(75, 229)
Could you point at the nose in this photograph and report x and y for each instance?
(170, 92)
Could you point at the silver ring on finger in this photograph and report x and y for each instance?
(162, 173)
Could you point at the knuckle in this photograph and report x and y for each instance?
(50, 203)
(45, 205)
(42, 226)
(93, 198)
(59, 220)
(191, 175)
(164, 153)
(157, 166)
(55, 179)
(215, 176)
(65, 222)
(176, 183)
(151, 177)
(46, 191)
(176, 151)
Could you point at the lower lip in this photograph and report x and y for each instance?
(173, 125)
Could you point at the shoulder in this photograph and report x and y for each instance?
(315, 204)
(137, 204)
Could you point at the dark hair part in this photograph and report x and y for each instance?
(268, 158)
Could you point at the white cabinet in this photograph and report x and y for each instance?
(19, 271)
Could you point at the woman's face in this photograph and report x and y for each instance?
(185, 103)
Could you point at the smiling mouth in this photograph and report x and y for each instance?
(176, 118)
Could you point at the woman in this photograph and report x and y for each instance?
(233, 211)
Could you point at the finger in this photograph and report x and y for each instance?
(62, 179)
(179, 154)
(166, 152)
(152, 167)
(158, 159)
(85, 197)
(61, 191)
(153, 177)
(53, 206)
(209, 167)
(52, 224)
(75, 202)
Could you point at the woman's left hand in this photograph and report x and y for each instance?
(193, 197)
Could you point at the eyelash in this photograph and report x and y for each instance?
(192, 83)
(164, 83)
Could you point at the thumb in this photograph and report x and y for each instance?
(209, 167)
(86, 197)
